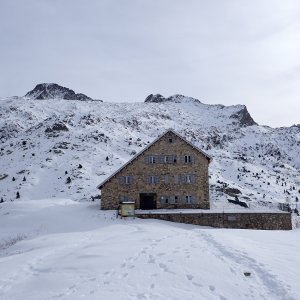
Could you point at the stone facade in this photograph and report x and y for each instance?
(170, 173)
(265, 221)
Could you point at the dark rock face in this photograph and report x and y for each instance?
(155, 99)
(244, 117)
(57, 127)
(175, 98)
(53, 90)
(231, 191)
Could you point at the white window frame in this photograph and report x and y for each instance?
(152, 159)
(128, 179)
(187, 159)
(153, 179)
(188, 178)
(188, 199)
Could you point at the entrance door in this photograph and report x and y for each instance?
(147, 201)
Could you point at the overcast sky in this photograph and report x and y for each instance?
(227, 52)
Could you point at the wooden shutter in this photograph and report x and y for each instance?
(166, 179)
(172, 199)
(176, 179)
(122, 179)
(147, 159)
(193, 178)
(130, 179)
(156, 179)
(194, 199)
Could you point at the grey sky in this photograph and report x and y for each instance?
(228, 52)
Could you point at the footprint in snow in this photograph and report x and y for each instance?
(189, 277)
(212, 288)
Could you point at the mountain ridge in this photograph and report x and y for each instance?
(45, 141)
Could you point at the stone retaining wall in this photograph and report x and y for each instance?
(266, 221)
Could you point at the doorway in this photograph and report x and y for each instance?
(147, 201)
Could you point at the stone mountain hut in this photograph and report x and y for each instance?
(169, 173)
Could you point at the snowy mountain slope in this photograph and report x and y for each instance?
(61, 249)
(46, 141)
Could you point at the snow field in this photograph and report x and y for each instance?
(71, 250)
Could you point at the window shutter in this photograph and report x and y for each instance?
(130, 179)
(182, 158)
(176, 179)
(172, 199)
(183, 178)
(122, 180)
(166, 178)
(156, 179)
(147, 179)
(193, 178)
(193, 159)
(194, 199)
(147, 159)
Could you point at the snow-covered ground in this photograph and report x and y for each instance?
(62, 249)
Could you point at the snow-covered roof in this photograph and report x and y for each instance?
(147, 147)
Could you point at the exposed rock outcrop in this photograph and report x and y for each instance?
(55, 91)
(244, 117)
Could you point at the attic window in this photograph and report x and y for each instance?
(170, 140)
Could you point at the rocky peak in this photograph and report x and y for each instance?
(55, 91)
(244, 117)
(158, 98)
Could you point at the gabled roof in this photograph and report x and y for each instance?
(147, 147)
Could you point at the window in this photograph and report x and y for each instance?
(164, 199)
(124, 198)
(170, 140)
(176, 199)
(168, 159)
(152, 179)
(188, 178)
(126, 179)
(152, 159)
(187, 159)
(188, 199)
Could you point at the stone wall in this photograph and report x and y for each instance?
(266, 221)
(113, 191)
